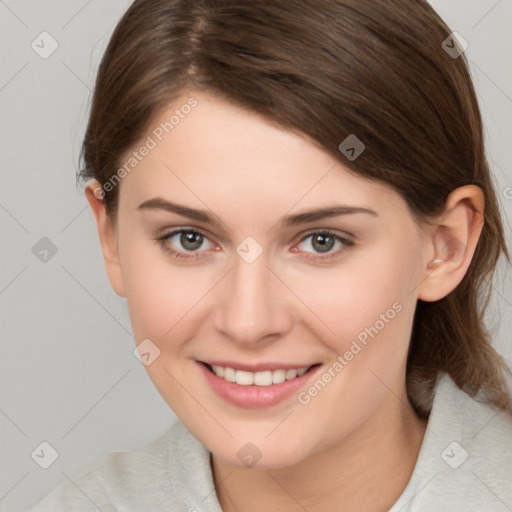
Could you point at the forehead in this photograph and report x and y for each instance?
(219, 151)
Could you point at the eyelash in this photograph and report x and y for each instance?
(179, 255)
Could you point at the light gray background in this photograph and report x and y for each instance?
(68, 373)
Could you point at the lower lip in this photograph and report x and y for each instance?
(254, 397)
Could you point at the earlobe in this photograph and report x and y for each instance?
(107, 236)
(453, 243)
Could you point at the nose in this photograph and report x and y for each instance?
(251, 304)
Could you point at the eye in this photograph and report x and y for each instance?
(185, 243)
(320, 245)
(190, 244)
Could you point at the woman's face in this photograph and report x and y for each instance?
(265, 278)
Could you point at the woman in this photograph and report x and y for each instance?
(294, 199)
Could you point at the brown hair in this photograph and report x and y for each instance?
(327, 69)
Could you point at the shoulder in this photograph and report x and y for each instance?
(465, 461)
(142, 479)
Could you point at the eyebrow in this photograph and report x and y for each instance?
(287, 221)
(198, 215)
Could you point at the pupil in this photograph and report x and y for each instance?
(191, 241)
(323, 243)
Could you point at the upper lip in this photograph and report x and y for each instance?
(259, 367)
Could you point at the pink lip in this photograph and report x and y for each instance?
(254, 397)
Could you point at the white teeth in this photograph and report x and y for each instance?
(229, 374)
(291, 374)
(264, 378)
(244, 378)
(278, 376)
(218, 370)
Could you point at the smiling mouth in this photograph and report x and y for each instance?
(261, 378)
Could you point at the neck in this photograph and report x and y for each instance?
(367, 470)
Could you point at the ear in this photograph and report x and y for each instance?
(107, 234)
(453, 242)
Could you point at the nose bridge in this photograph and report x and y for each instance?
(249, 308)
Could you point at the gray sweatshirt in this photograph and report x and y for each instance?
(464, 464)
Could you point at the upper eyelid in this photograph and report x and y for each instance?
(174, 231)
(346, 241)
(324, 231)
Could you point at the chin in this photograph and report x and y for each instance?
(259, 455)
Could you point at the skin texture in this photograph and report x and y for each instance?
(283, 307)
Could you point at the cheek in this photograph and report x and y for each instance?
(160, 295)
(165, 307)
(365, 299)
